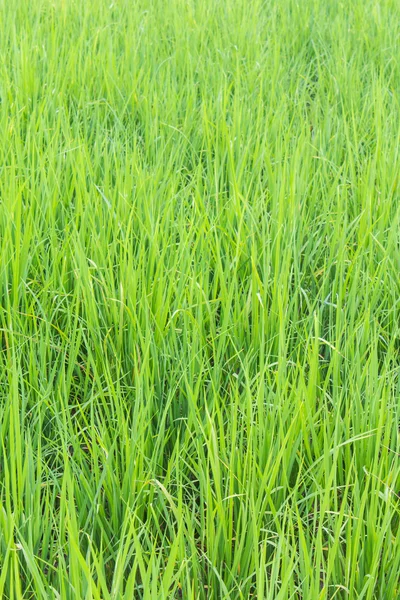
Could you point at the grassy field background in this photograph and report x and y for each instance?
(200, 299)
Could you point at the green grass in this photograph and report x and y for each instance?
(199, 299)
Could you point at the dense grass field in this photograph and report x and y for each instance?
(199, 299)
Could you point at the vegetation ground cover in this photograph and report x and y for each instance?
(199, 299)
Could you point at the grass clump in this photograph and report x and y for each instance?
(199, 299)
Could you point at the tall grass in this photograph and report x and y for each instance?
(200, 299)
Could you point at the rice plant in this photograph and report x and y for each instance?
(199, 299)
